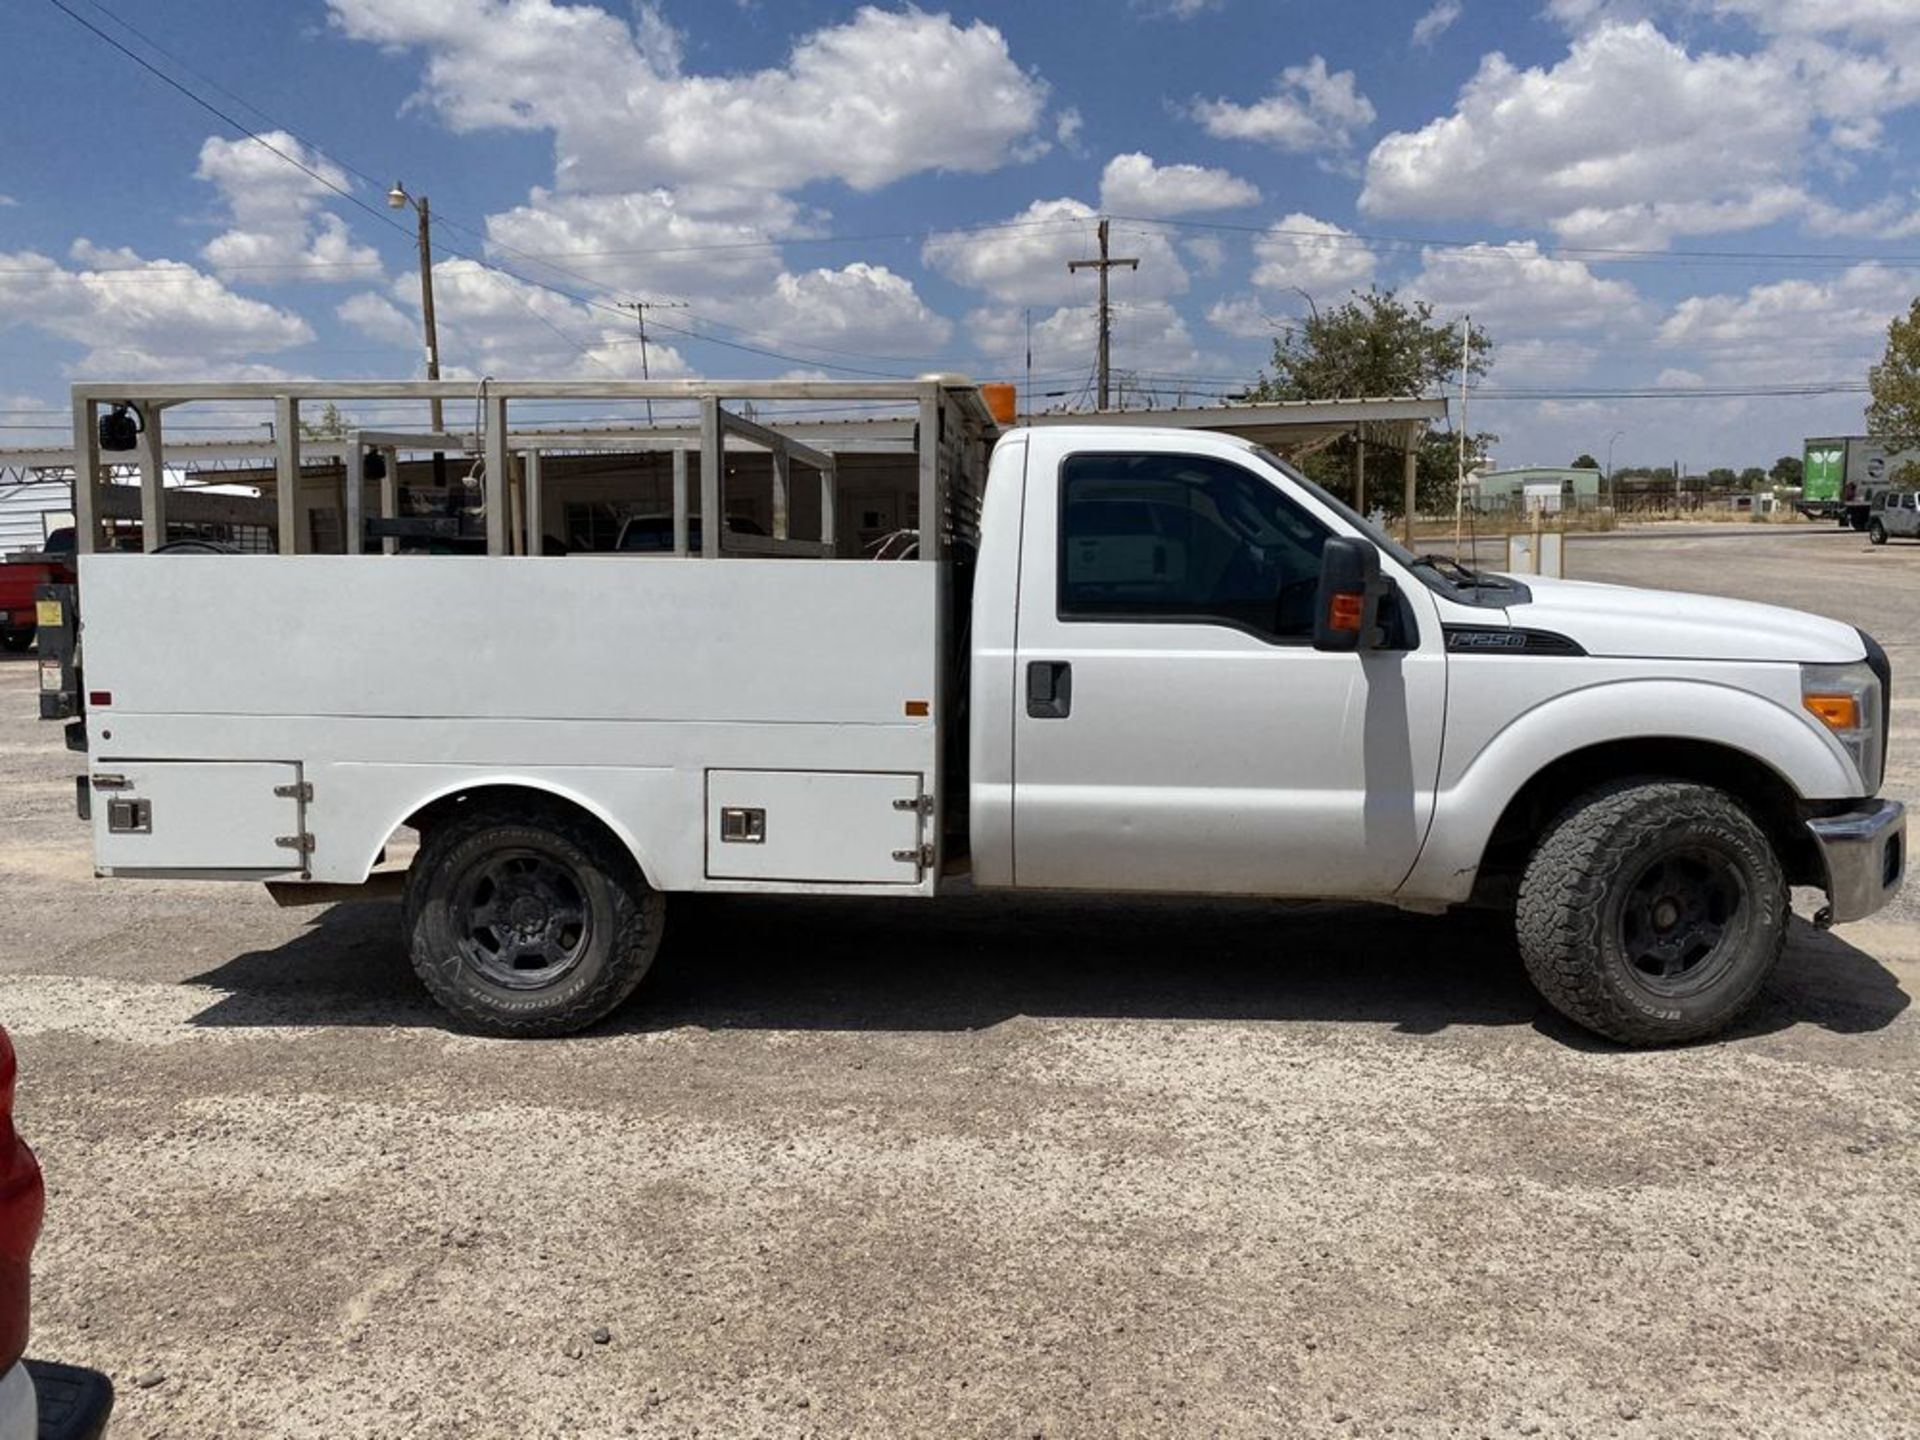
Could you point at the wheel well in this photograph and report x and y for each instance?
(1755, 784)
(516, 800)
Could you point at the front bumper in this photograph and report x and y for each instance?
(1865, 852)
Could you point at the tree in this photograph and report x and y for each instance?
(1373, 345)
(1752, 478)
(1377, 344)
(1788, 470)
(1894, 414)
(1721, 478)
(1585, 462)
(331, 425)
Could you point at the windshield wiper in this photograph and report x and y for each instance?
(1462, 574)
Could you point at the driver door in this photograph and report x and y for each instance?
(1174, 729)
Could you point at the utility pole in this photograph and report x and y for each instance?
(399, 199)
(1103, 265)
(1460, 483)
(640, 308)
(1029, 318)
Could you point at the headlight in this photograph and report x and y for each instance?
(1846, 699)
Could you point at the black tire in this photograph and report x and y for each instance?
(1876, 532)
(1857, 519)
(529, 920)
(16, 640)
(1652, 912)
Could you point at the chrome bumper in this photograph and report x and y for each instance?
(1865, 851)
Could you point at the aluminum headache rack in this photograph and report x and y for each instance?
(947, 424)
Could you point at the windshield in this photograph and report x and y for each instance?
(1345, 511)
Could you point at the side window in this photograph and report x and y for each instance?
(1184, 539)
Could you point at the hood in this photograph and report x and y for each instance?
(1623, 620)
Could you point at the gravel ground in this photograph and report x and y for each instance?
(996, 1167)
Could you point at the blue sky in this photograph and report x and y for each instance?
(1662, 196)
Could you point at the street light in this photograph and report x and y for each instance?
(399, 199)
(1613, 500)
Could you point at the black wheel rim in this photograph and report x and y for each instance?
(521, 918)
(1683, 921)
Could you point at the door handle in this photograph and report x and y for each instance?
(1049, 689)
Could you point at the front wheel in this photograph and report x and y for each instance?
(1877, 532)
(529, 920)
(1652, 912)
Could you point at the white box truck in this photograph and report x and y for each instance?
(1119, 659)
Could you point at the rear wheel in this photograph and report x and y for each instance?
(16, 640)
(1652, 912)
(1876, 532)
(529, 921)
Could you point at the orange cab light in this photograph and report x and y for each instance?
(1345, 612)
(1836, 712)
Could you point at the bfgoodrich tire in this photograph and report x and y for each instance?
(528, 921)
(1652, 912)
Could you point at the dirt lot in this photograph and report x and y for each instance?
(992, 1168)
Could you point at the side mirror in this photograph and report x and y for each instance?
(1347, 605)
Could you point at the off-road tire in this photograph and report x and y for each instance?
(1578, 884)
(626, 917)
(1876, 532)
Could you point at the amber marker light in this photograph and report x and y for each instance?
(1836, 712)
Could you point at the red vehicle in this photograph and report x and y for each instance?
(21, 575)
(38, 1401)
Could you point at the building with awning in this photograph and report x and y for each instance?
(595, 477)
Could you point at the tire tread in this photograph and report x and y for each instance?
(1562, 904)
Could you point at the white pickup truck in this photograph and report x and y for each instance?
(1160, 661)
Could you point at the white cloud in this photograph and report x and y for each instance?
(137, 318)
(1149, 338)
(1067, 125)
(1629, 135)
(493, 323)
(7, 202)
(1790, 330)
(1436, 22)
(859, 306)
(884, 95)
(1177, 9)
(1134, 185)
(1517, 287)
(276, 225)
(1895, 217)
(692, 241)
(1207, 252)
(1025, 261)
(1310, 110)
(1244, 317)
(1314, 255)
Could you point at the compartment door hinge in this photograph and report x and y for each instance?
(303, 792)
(302, 843)
(921, 855)
(921, 805)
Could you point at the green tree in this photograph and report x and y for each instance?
(1721, 478)
(1373, 345)
(331, 425)
(1585, 462)
(1788, 470)
(1894, 414)
(1752, 478)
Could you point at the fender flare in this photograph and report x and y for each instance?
(513, 780)
(1708, 712)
